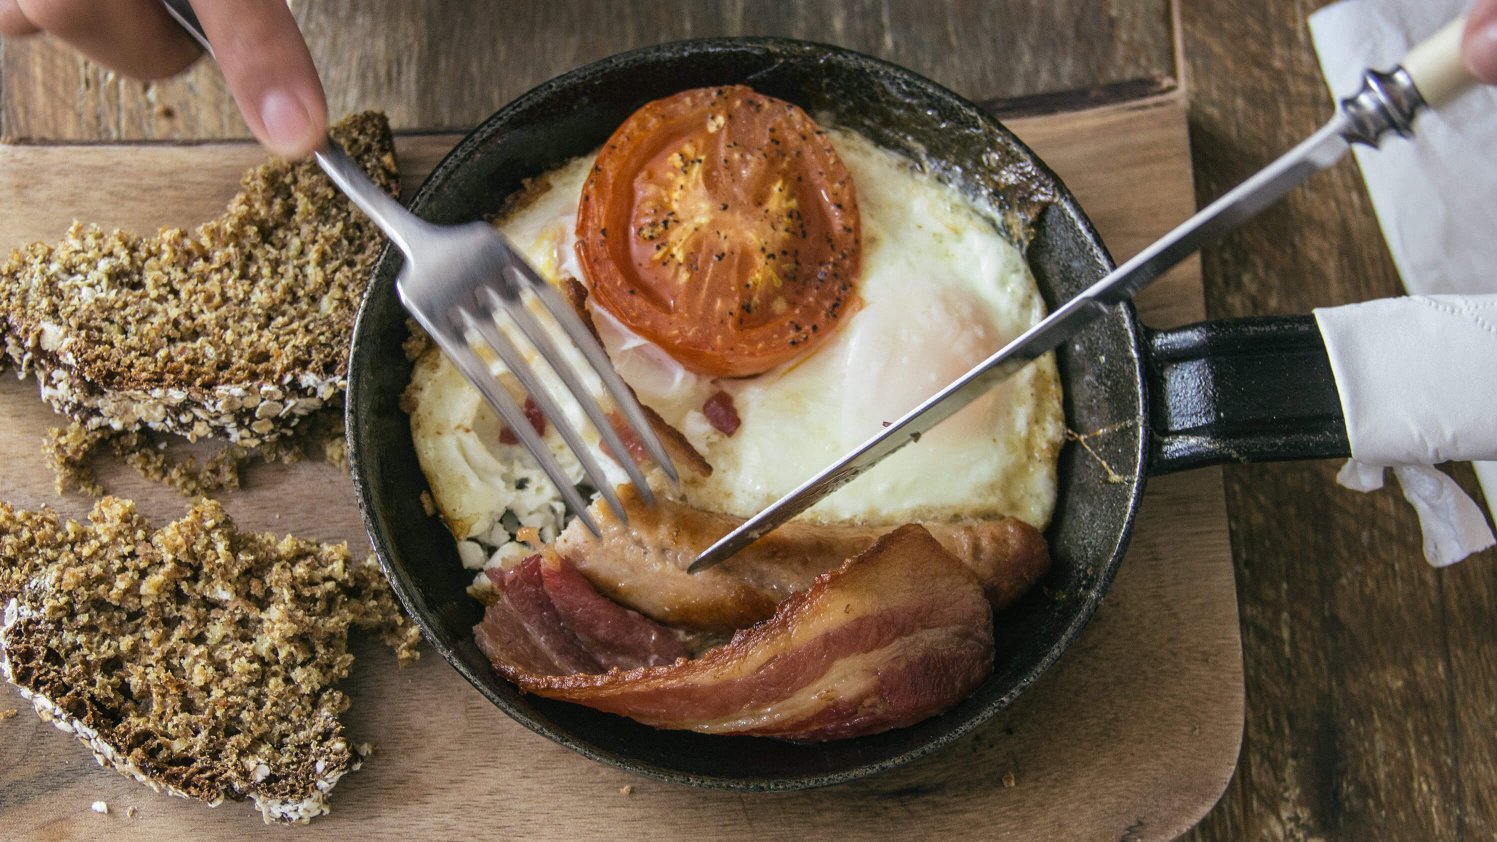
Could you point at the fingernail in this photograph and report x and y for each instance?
(287, 123)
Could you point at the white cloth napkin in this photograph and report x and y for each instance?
(1416, 375)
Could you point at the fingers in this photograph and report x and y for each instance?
(256, 42)
(269, 71)
(1479, 45)
(134, 37)
(12, 22)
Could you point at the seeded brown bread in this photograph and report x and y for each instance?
(195, 658)
(236, 330)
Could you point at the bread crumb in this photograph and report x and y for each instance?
(8, 713)
(130, 811)
(416, 342)
(626, 789)
(1009, 780)
(70, 452)
(99, 807)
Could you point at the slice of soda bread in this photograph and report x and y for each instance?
(195, 658)
(235, 330)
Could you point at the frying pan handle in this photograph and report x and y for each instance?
(1241, 390)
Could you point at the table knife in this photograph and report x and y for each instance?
(1387, 103)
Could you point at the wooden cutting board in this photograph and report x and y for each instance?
(1134, 735)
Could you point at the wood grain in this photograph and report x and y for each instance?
(1350, 641)
(1134, 735)
(1371, 682)
(434, 64)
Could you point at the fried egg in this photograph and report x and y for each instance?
(941, 290)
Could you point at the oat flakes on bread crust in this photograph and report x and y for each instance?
(195, 658)
(235, 330)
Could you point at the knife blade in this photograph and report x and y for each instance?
(1387, 103)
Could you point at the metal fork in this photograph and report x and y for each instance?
(458, 281)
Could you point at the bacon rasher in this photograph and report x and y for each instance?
(895, 635)
(549, 619)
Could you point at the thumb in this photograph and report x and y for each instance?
(269, 71)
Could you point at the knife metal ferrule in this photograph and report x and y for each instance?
(1387, 102)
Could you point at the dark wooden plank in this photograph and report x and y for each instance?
(1370, 678)
(447, 65)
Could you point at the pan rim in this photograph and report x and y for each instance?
(362, 453)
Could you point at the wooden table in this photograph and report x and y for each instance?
(1370, 678)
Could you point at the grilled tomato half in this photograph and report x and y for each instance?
(721, 225)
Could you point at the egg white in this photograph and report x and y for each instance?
(941, 290)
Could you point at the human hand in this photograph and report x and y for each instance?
(1479, 44)
(255, 42)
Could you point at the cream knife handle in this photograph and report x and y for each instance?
(1435, 65)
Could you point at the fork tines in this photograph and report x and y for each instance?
(481, 325)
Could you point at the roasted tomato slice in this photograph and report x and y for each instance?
(720, 224)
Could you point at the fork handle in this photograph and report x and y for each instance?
(399, 224)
